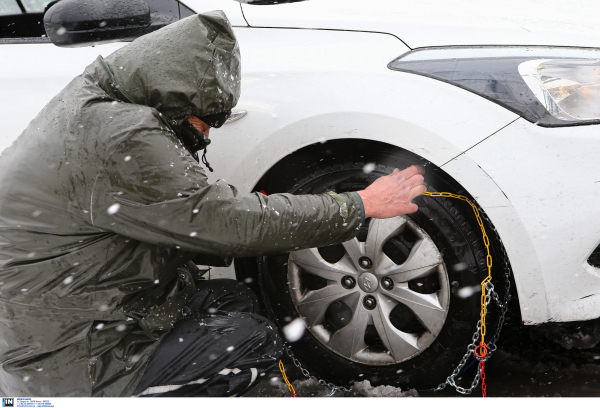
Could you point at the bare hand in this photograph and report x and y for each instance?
(391, 195)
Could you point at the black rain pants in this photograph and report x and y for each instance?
(221, 349)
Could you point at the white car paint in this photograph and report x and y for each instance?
(232, 9)
(32, 74)
(307, 86)
(517, 242)
(427, 23)
(552, 179)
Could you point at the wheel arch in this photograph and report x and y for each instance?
(467, 176)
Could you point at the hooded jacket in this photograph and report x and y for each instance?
(101, 207)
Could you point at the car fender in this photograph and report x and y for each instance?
(339, 87)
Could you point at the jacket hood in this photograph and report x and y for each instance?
(191, 67)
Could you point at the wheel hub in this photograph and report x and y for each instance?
(378, 293)
(368, 282)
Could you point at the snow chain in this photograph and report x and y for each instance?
(334, 388)
(478, 348)
(287, 382)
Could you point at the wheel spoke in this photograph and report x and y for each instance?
(423, 254)
(315, 303)
(311, 261)
(354, 249)
(425, 306)
(379, 232)
(400, 345)
(350, 339)
(398, 274)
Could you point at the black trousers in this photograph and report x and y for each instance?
(221, 349)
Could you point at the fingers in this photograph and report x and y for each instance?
(412, 171)
(408, 172)
(415, 181)
(417, 191)
(411, 208)
(391, 195)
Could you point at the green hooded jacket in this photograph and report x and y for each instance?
(101, 207)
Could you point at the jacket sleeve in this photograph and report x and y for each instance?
(152, 190)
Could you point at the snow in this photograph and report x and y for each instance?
(113, 209)
(294, 330)
(309, 387)
(468, 291)
(368, 168)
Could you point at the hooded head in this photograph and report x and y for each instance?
(191, 67)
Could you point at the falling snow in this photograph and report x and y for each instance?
(368, 168)
(294, 330)
(113, 209)
(468, 291)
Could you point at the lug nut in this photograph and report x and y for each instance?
(348, 282)
(387, 283)
(369, 302)
(365, 262)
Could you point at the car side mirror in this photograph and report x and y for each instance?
(76, 23)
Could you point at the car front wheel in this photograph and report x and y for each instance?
(396, 305)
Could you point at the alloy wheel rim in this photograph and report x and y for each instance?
(372, 290)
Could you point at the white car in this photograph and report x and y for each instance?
(498, 104)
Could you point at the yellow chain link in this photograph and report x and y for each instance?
(486, 242)
(287, 382)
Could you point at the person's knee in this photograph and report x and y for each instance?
(271, 341)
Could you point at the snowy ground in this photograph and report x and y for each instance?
(521, 368)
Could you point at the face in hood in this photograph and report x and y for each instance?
(191, 67)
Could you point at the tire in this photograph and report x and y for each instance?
(438, 344)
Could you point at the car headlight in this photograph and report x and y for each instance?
(569, 88)
(549, 86)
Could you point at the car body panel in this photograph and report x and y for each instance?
(517, 242)
(232, 9)
(428, 23)
(551, 178)
(32, 74)
(330, 92)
